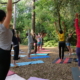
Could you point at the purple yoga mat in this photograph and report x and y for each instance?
(35, 78)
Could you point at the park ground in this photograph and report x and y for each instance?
(46, 70)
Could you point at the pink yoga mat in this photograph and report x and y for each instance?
(35, 78)
(58, 61)
(45, 50)
(41, 52)
(66, 60)
(10, 73)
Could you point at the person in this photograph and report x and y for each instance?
(41, 41)
(35, 43)
(61, 35)
(68, 42)
(77, 27)
(19, 40)
(38, 42)
(5, 40)
(16, 48)
(30, 43)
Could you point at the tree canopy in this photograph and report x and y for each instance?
(47, 12)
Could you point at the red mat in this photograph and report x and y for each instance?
(45, 50)
(66, 60)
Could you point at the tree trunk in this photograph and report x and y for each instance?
(33, 17)
(59, 19)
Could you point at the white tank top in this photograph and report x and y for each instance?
(5, 37)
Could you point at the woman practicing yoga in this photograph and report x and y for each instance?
(5, 40)
(61, 42)
(68, 42)
(77, 27)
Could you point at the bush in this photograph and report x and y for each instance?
(50, 43)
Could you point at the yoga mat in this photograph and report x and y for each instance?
(40, 54)
(55, 60)
(38, 57)
(75, 73)
(20, 55)
(14, 77)
(28, 63)
(66, 60)
(10, 73)
(45, 50)
(35, 78)
(37, 62)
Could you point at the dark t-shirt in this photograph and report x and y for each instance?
(35, 41)
(68, 39)
(14, 38)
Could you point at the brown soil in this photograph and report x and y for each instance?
(46, 70)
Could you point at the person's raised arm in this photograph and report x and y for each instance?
(56, 27)
(64, 26)
(9, 14)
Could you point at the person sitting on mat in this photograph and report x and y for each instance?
(77, 27)
(30, 43)
(5, 40)
(61, 35)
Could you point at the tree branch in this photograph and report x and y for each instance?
(6, 2)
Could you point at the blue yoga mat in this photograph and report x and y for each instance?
(21, 55)
(28, 63)
(38, 57)
(40, 54)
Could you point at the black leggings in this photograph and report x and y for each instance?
(16, 52)
(61, 49)
(35, 48)
(5, 59)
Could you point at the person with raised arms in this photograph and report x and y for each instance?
(77, 27)
(5, 40)
(61, 36)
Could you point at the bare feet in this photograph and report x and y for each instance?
(15, 66)
(62, 60)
